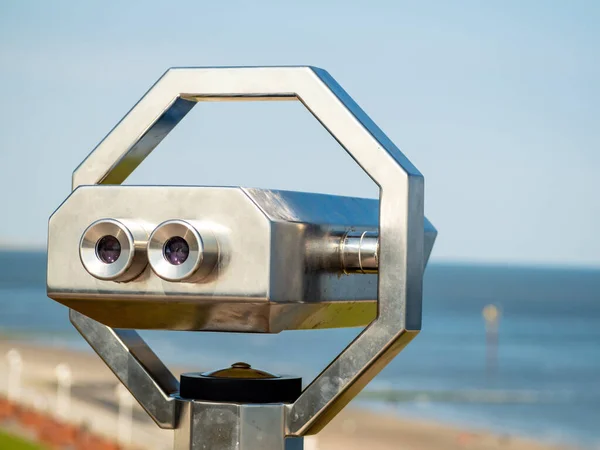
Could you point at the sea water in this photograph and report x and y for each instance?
(544, 381)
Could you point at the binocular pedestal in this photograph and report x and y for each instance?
(238, 408)
(233, 426)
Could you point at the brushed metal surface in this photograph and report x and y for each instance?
(233, 426)
(265, 280)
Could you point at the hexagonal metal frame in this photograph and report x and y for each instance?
(400, 228)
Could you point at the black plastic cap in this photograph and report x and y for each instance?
(198, 386)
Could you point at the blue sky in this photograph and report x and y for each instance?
(498, 104)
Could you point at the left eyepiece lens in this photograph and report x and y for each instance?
(108, 249)
(115, 250)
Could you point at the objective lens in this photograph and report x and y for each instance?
(176, 250)
(108, 249)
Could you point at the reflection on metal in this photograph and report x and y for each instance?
(359, 252)
(245, 259)
(240, 370)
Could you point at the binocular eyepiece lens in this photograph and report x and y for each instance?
(114, 250)
(176, 250)
(108, 249)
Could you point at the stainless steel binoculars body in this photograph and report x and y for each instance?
(220, 259)
(237, 259)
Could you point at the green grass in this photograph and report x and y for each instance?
(10, 442)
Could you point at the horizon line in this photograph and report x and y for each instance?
(434, 260)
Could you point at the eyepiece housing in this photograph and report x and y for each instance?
(112, 249)
(179, 250)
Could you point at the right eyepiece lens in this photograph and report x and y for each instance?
(108, 249)
(176, 250)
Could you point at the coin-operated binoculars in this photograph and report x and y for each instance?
(226, 259)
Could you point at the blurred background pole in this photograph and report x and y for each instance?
(15, 365)
(491, 315)
(125, 419)
(311, 443)
(63, 391)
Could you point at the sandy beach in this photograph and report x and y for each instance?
(94, 403)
